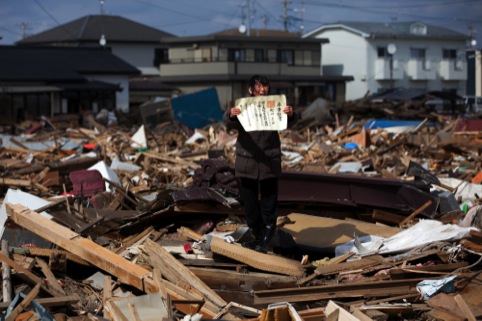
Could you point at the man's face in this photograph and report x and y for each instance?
(259, 89)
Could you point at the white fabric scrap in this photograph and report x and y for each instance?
(465, 191)
(422, 233)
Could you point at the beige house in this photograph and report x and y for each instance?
(226, 61)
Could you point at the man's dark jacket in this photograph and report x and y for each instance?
(258, 153)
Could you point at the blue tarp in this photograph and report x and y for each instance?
(198, 109)
(380, 123)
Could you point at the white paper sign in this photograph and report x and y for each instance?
(263, 112)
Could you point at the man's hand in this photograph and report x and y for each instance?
(288, 110)
(235, 111)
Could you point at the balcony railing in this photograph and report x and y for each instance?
(420, 69)
(453, 69)
(186, 68)
(386, 70)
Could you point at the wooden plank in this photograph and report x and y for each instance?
(116, 313)
(464, 307)
(133, 312)
(27, 275)
(99, 256)
(219, 279)
(51, 279)
(322, 232)
(335, 260)
(131, 241)
(208, 310)
(107, 288)
(177, 273)
(387, 217)
(35, 251)
(363, 263)
(60, 301)
(23, 304)
(121, 268)
(349, 290)
(15, 182)
(6, 275)
(415, 213)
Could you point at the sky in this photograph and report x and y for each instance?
(21, 18)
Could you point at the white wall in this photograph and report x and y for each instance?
(351, 54)
(122, 97)
(140, 56)
(346, 53)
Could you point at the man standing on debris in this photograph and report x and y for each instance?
(258, 166)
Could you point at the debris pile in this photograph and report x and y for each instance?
(379, 220)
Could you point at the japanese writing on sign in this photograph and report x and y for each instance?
(263, 113)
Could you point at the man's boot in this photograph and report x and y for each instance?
(253, 241)
(266, 239)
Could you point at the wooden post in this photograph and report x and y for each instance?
(6, 275)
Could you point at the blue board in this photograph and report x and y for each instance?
(197, 110)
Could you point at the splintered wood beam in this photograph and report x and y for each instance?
(338, 291)
(27, 275)
(178, 273)
(23, 304)
(124, 270)
(61, 301)
(15, 182)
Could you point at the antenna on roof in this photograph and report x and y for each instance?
(102, 7)
(246, 28)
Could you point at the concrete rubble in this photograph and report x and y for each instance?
(379, 220)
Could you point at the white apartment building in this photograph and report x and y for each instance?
(382, 56)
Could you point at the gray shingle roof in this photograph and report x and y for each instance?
(90, 28)
(47, 64)
(402, 30)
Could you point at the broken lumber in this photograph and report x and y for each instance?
(261, 261)
(123, 269)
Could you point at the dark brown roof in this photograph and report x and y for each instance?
(149, 84)
(174, 80)
(258, 33)
(49, 64)
(90, 28)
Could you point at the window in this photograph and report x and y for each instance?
(306, 58)
(382, 52)
(286, 56)
(161, 55)
(449, 54)
(417, 53)
(258, 55)
(418, 29)
(236, 54)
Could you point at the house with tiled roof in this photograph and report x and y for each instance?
(135, 43)
(226, 60)
(384, 56)
(173, 65)
(48, 81)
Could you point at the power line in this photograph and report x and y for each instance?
(54, 19)
(196, 18)
(397, 6)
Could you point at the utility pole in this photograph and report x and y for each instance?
(102, 7)
(23, 29)
(265, 22)
(248, 33)
(285, 14)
